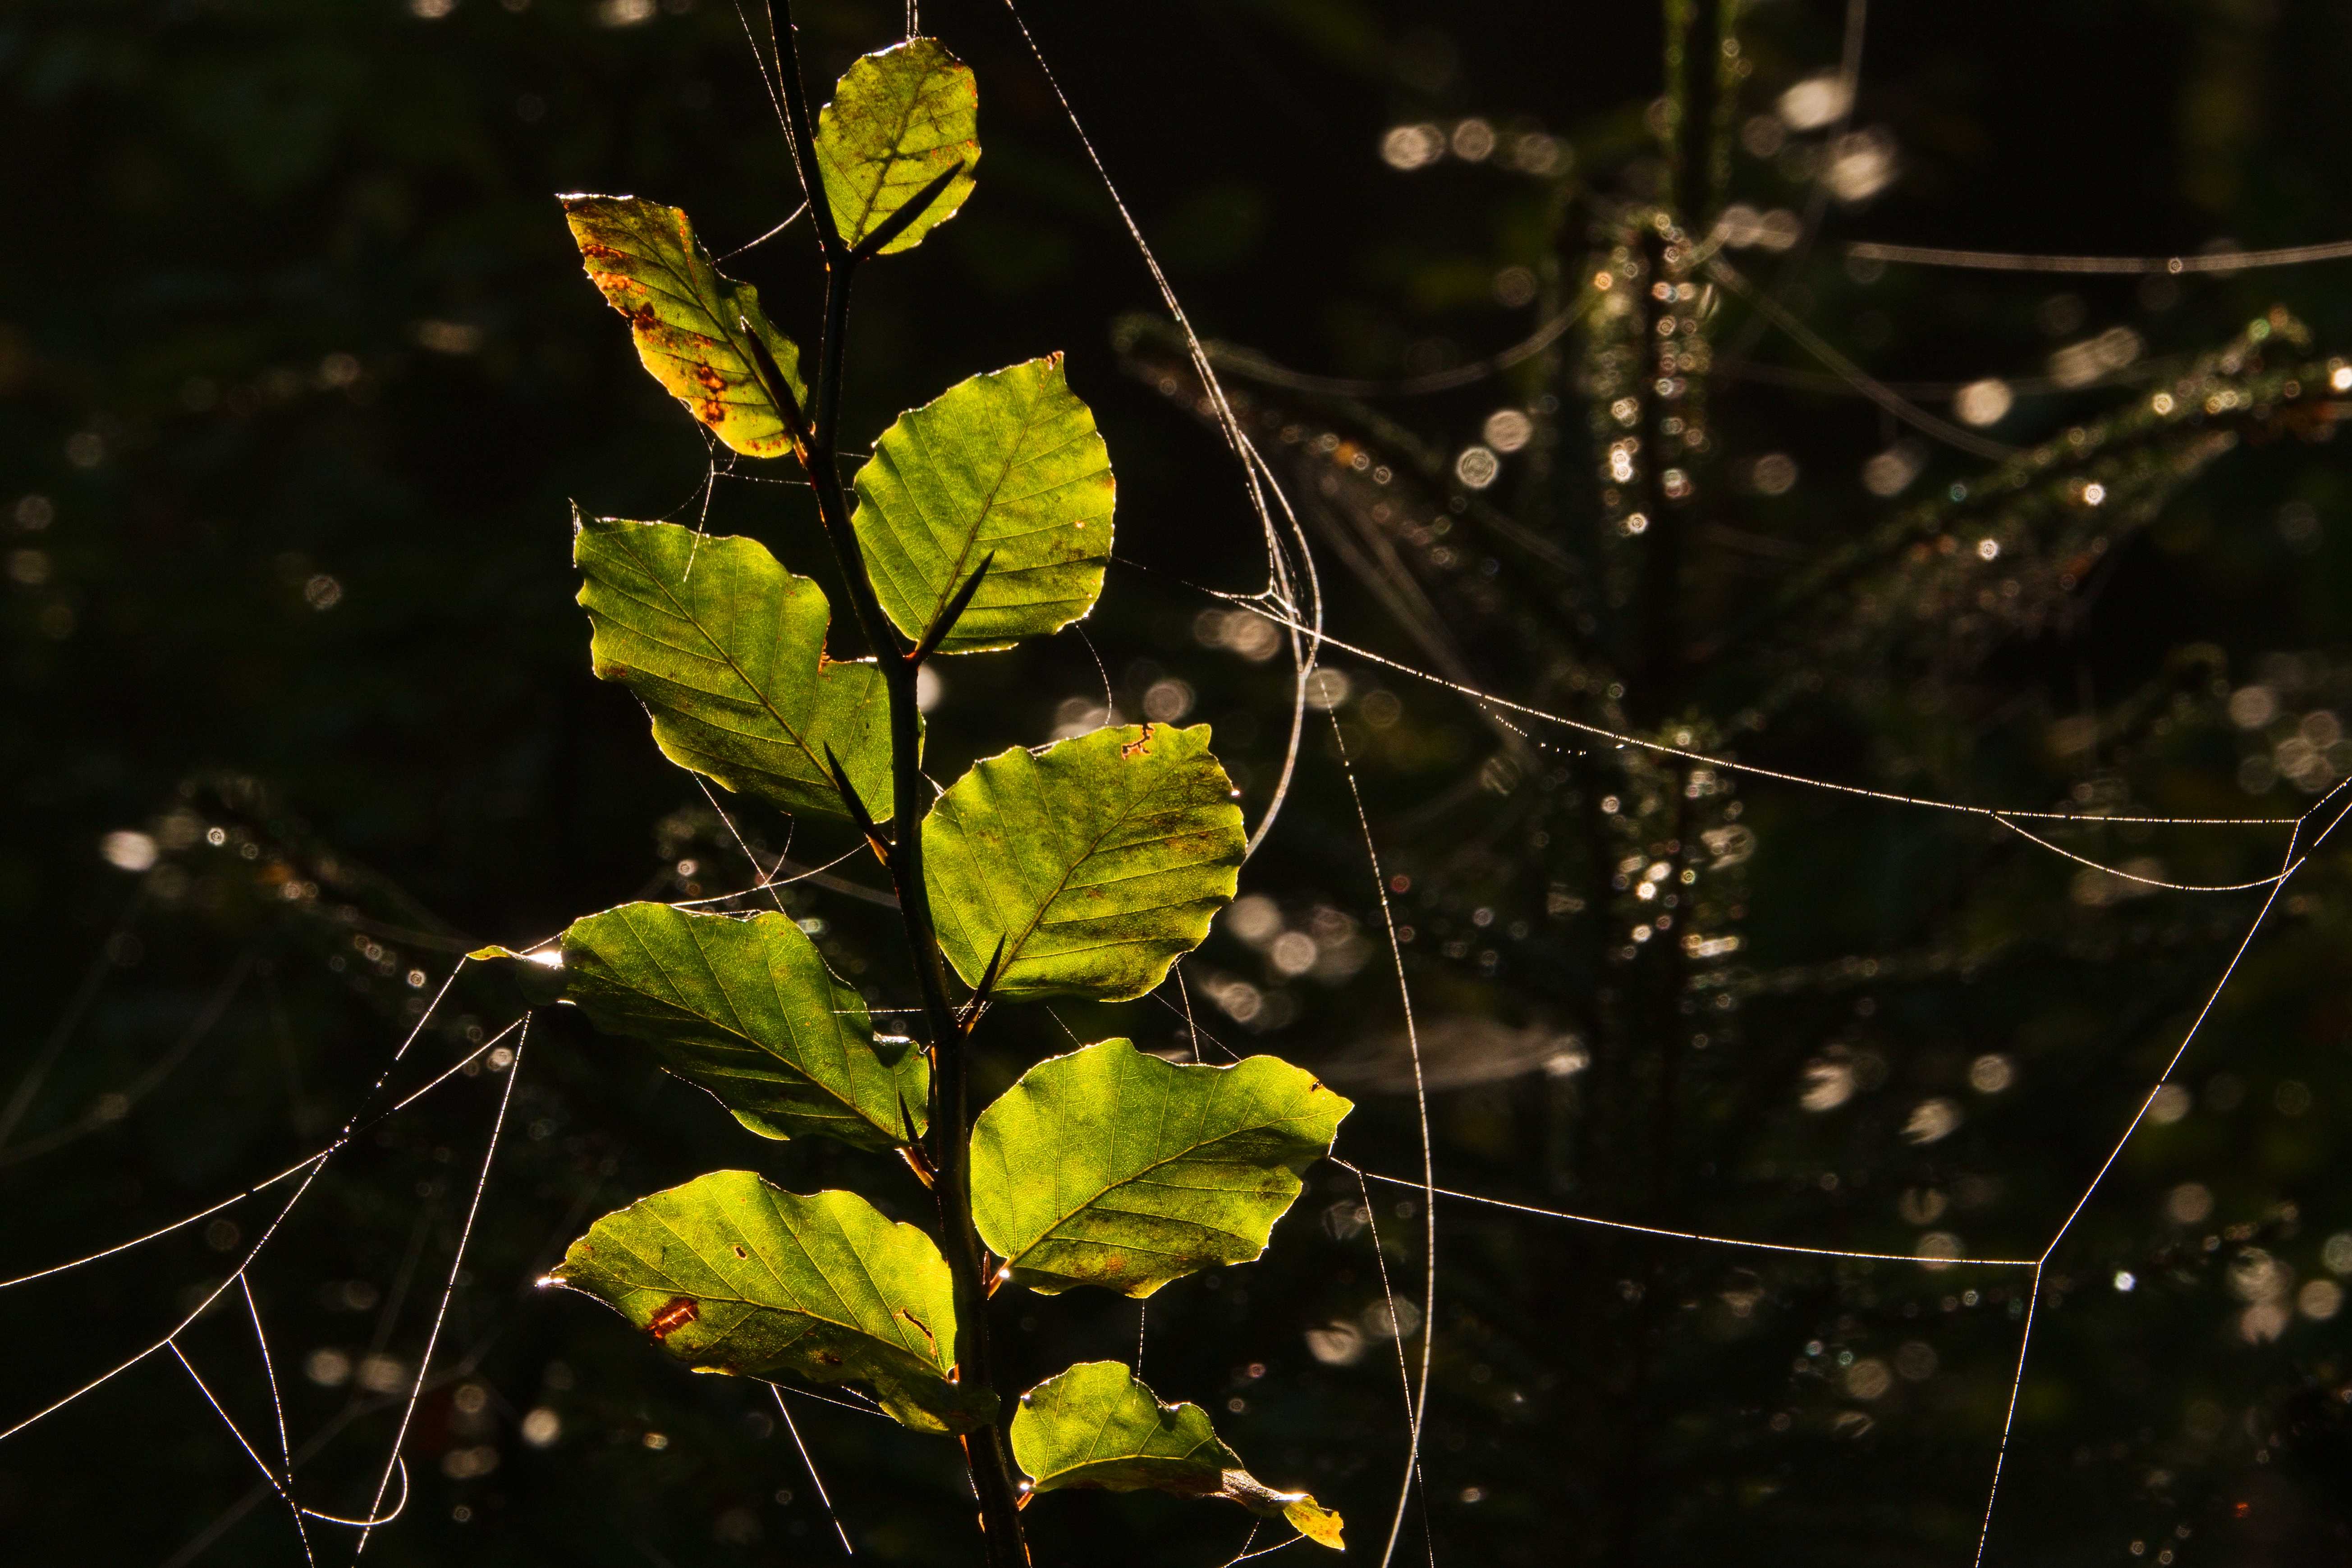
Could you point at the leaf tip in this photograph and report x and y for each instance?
(1317, 1524)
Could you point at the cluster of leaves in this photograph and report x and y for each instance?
(1083, 869)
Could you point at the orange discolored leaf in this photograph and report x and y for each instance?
(701, 333)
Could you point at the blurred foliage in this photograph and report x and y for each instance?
(298, 379)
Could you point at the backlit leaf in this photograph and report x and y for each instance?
(899, 119)
(746, 1009)
(1096, 1425)
(1109, 1167)
(688, 317)
(726, 649)
(731, 1274)
(1098, 861)
(1006, 465)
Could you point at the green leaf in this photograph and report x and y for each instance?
(746, 1009)
(899, 119)
(1096, 1425)
(1098, 861)
(688, 319)
(1109, 1167)
(1007, 464)
(726, 649)
(731, 1274)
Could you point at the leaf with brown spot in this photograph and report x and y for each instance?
(820, 1287)
(675, 1316)
(694, 326)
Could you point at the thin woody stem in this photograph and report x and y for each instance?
(984, 1450)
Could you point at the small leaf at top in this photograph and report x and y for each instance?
(726, 648)
(899, 119)
(731, 1274)
(1097, 861)
(689, 319)
(746, 1009)
(1109, 1167)
(1096, 1425)
(1008, 466)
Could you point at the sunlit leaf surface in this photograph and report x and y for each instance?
(899, 119)
(1097, 861)
(1005, 467)
(1109, 1167)
(728, 1273)
(726, 649)
(693, 325)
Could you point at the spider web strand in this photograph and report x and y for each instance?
(440, 1316)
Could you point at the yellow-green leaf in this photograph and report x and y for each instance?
(1007, 467)
(1097, 861)
(726, 649)
(1096, 1425)
(1109, 1167)
(899, 119)
(746, 1008)
(731, 1274)
(694, 326)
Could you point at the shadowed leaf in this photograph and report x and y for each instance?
(1097, 861)
(1007, 464)
(731, 1274)
(1109, 1167)
(1096, 1425)
(688, 317)
(899, 119)
(746, 1009)
(727, 650)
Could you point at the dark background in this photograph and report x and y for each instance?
(298, 380)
